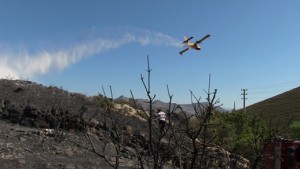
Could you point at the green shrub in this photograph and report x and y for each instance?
(103, 101)
(295, 130)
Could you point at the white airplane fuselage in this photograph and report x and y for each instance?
(194, 46)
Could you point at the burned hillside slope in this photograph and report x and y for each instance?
(47, 127)
(53, 128)
(24, 147)
(25, 99)
(34, 105)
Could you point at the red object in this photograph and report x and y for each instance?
(282, 155)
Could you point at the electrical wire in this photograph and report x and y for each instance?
(268, 91)
(277, 85)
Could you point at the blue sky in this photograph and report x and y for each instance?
(83, 46)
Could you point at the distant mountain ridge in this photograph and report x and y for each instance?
(164, 105)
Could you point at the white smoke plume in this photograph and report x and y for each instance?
(27, 65)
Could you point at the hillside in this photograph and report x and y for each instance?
(282, 107)
(48, 127)
(43, 127)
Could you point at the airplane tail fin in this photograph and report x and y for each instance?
(187, 40)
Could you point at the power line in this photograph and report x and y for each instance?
(276, 85)
(269, 91)
(264, 92)
(258, 91)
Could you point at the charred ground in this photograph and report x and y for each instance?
(29, 114)
(48, 127)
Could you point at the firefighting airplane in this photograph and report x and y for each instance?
(189, 44)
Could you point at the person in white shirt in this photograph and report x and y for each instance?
(161, 116)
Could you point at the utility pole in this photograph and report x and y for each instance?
(244, 98)
(233, 107)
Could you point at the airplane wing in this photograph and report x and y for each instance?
(205, 37)
(184, 50)
(187, 39)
